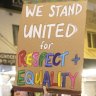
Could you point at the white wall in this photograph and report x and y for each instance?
(89, 82)
(6, 21)
(90, 88)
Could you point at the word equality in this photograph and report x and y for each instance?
(37, 59)
(46, 78)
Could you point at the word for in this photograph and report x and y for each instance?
(55, 10)
(45, 31)
(37, 59)
(45, 45)
(46, 78)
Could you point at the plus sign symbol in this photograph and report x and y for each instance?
(76, 59)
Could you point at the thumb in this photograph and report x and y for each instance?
(45, 90)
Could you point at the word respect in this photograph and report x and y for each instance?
(36, 59)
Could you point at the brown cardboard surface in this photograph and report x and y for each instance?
(57, 46)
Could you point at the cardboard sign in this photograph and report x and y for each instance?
(50, 45)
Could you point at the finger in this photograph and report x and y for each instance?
(45, 90)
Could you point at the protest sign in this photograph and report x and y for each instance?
(50, 45)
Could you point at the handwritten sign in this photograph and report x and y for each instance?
(50, 45)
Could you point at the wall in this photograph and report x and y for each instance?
(89, 88)
(90, 53)
(7, 18)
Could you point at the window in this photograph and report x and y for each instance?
(91, 39)
(15, 33)
(19, 2)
